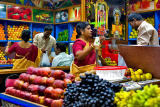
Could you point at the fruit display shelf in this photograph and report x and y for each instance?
(6, 65)
(63, 41)
(17, 41)
(18, 101)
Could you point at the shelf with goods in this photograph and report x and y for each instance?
(17, 18)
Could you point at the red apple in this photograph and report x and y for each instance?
(41, 100)
(50, 81)
(29, 70)
(8, 90)
(37, 80)
(22, 94)
(12, 91)
(41, 90)
(34, 98)
(30, 87)
(48, 102)
(57, 103)
(57, 93)
(18, 84)
(27, 95)
(35, 71)
(67, 81)
(48, 91)
(32, 78)
(21, 77)
(58, 74)
(70, 76)
(25, 86)
(59, 84)
(26, 78)
(17, 93)
(33, 88)
(43, 80)
(46, 71)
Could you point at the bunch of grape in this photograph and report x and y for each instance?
(91, 92)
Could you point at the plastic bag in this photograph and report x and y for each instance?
(9, 82)
(45, 60)
(121, 61)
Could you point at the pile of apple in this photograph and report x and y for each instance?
(14, 32)
(2, 34)
(137, 75)
(42, 85)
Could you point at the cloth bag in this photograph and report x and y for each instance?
(45, 60)
(9, 82)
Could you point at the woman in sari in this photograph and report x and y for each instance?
(84, 50)
(27, 54)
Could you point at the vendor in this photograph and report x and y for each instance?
(61, 58)
(84, 50)
(27, 54)
(147, 34)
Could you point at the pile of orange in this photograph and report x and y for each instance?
(2, 34)
(14, 32)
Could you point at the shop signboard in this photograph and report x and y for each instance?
(75, 14)
(3, 11)
(61, 16)
(42, 16)
(19, 13)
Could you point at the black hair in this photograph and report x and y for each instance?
(133, 16)
(48, 28)
(81, 26)
(61, 46)
(25, 35)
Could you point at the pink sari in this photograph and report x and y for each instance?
(25, 57)
(89, 59)
(84, 65)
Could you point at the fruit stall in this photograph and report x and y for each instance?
(135, 85)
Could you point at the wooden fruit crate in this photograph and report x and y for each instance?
(12, 101)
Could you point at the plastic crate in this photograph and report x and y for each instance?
(111, 72)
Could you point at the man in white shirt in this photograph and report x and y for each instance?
(147, 34)
(61, 58)
(45, 41)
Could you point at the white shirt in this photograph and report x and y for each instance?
(147, 35)
(42, 43)
(62, 59)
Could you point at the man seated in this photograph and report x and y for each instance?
(61, 58)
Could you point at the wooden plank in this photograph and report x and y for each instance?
(12, 71)
(19, 101)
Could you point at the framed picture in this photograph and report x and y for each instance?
(19, 13)
(3, 11)
(61, 16)
(42, 16)
(75, 14)
(141, 5)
